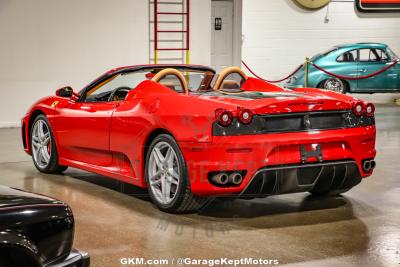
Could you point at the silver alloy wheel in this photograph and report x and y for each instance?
(41, 144)
(335, 85)
(163, 172)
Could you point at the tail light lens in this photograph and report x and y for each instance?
(370, 109)
(245, 116)
(358, 108)
(224, 117)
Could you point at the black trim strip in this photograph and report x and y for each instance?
(377, 8)
(294, 122)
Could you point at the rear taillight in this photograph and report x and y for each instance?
(358, 108)
(224, 117)
(245, 116)
(370, 109)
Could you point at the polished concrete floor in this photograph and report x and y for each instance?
(115, 220)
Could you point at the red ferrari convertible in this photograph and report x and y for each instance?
(189, 134)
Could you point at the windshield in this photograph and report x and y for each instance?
(393, 56)
(119, 84)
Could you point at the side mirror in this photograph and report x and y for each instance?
(65, 92)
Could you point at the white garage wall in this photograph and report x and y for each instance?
(278, 35)
(200, 32)
(45, 44)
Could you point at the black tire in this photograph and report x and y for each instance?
(343, 84)
(52, 166)
(184, 201)
(330, 193)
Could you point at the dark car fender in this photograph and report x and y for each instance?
(13, 241)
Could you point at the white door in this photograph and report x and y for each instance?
(221, 35)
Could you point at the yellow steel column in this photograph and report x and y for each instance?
(187, 57)
(307, 67)
(155, 56)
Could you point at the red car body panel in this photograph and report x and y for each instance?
(110, 138)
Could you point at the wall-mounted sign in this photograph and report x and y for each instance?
(218, 24)
(312, 4)
(378, 5)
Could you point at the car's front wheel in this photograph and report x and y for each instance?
(43, 147)
(167, 177)
(335, 85)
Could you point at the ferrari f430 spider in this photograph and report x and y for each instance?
(189, 134)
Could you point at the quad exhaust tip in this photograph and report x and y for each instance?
(221, 178)
(235, 178)
(224, 178)
(373, 164)
(368, 165)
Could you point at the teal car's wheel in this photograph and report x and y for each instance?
(335, 85)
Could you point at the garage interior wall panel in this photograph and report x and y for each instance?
(278, 35)
(200, 32)
(47, 44)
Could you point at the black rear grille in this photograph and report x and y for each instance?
(317, 177)
(295, 122)
(305, 121)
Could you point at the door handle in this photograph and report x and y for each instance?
(116, 105)
(362, 70)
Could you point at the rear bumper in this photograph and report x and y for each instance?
(74, 259)
(252, 153)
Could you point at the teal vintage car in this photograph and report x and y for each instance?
(352, 60)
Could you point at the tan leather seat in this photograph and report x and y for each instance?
(225, 73)
(230, 85)
(168, 84)
(169, 71)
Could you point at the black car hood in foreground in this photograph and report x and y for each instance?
(40, 226)
(10, 197)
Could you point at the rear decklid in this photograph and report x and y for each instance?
(279, 102)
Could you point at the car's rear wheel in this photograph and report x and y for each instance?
(43, 147)
(335, 85)
(167, 177)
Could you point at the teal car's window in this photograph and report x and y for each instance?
(382, 54)
(392, 54)
(349, 56)
(372, 55)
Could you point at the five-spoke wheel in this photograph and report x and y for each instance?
(44, 151)
(164, 174)
(167, 177)
(41, 145)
